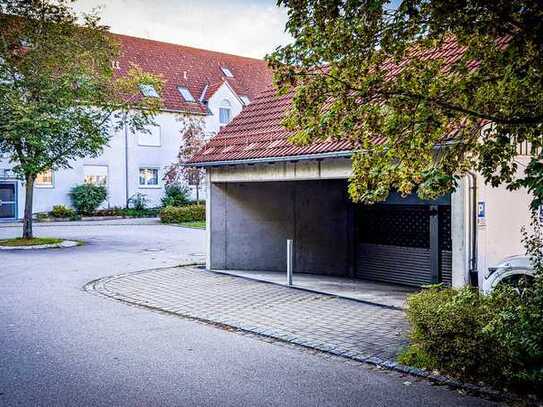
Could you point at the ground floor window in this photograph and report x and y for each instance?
(44, 179)
(95, 174)
(148, 176)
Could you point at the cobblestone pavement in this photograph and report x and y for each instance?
(359, 331)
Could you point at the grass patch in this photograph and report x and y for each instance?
(196, 224)
(37, 241)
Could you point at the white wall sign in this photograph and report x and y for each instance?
(481, 214)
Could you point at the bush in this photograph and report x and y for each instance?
(496, 338)
(138, 201)
(86, 198)
(61, 211)
(175, 195)
(189, 213)
(141, 213)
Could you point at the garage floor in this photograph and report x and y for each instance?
(370, 291)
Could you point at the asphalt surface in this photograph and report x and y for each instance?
(61, 346)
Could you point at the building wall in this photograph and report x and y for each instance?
(113, 156)
(215, 102)
(506, 212)
(251, 222)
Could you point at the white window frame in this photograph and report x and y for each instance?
(227, 72)
(49, 185)
(143, 134)
(85, 166)
(149, 186)
(148, 91)
(225, 105)
(187, 97)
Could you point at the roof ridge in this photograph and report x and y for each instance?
(188, 47)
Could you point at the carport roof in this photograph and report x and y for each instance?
(257, 133)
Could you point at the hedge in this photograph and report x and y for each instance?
(61, 211)
(189, 213)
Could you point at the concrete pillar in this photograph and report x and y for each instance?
(208, 219)
(460, 234)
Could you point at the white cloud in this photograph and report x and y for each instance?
(242, 27)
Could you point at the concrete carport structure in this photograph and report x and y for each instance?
(253, 208)
(263, 190)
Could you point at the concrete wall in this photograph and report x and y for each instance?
(333, 168)
(250, 223)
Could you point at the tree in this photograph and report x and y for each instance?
(60, 96)
(424, 89)
(193, 138)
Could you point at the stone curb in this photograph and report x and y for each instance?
(80, 223)
(62, 245)
(92, 219)
(309, 290)
(182, 226)
(99, 287)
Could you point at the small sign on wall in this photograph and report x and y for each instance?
(481, 214)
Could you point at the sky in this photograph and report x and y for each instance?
(250, 28)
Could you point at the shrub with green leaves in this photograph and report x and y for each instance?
(138, 201)
(175, 195)
(61, 211)
(86, 198)
(189, 213)
(495, 338)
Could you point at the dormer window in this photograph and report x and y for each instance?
(225, 112)
(148, 91)
(245, 99)
(227, 72)
(185, 93)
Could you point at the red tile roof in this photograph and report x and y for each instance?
(192, 68)
(257, 132)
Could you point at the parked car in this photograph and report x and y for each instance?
(515, 270)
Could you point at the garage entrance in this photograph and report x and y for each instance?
(404, 241)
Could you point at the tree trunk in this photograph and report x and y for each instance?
(29, 196)
(197, 192)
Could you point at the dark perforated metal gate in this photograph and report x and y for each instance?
(404, 244)
(445, 245)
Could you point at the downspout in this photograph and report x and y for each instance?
(473, 272)
(126, 161)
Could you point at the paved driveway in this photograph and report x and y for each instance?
(62, 346)
(342, 327)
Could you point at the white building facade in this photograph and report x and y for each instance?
(203, 87)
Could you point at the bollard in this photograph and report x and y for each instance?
(290, 247)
